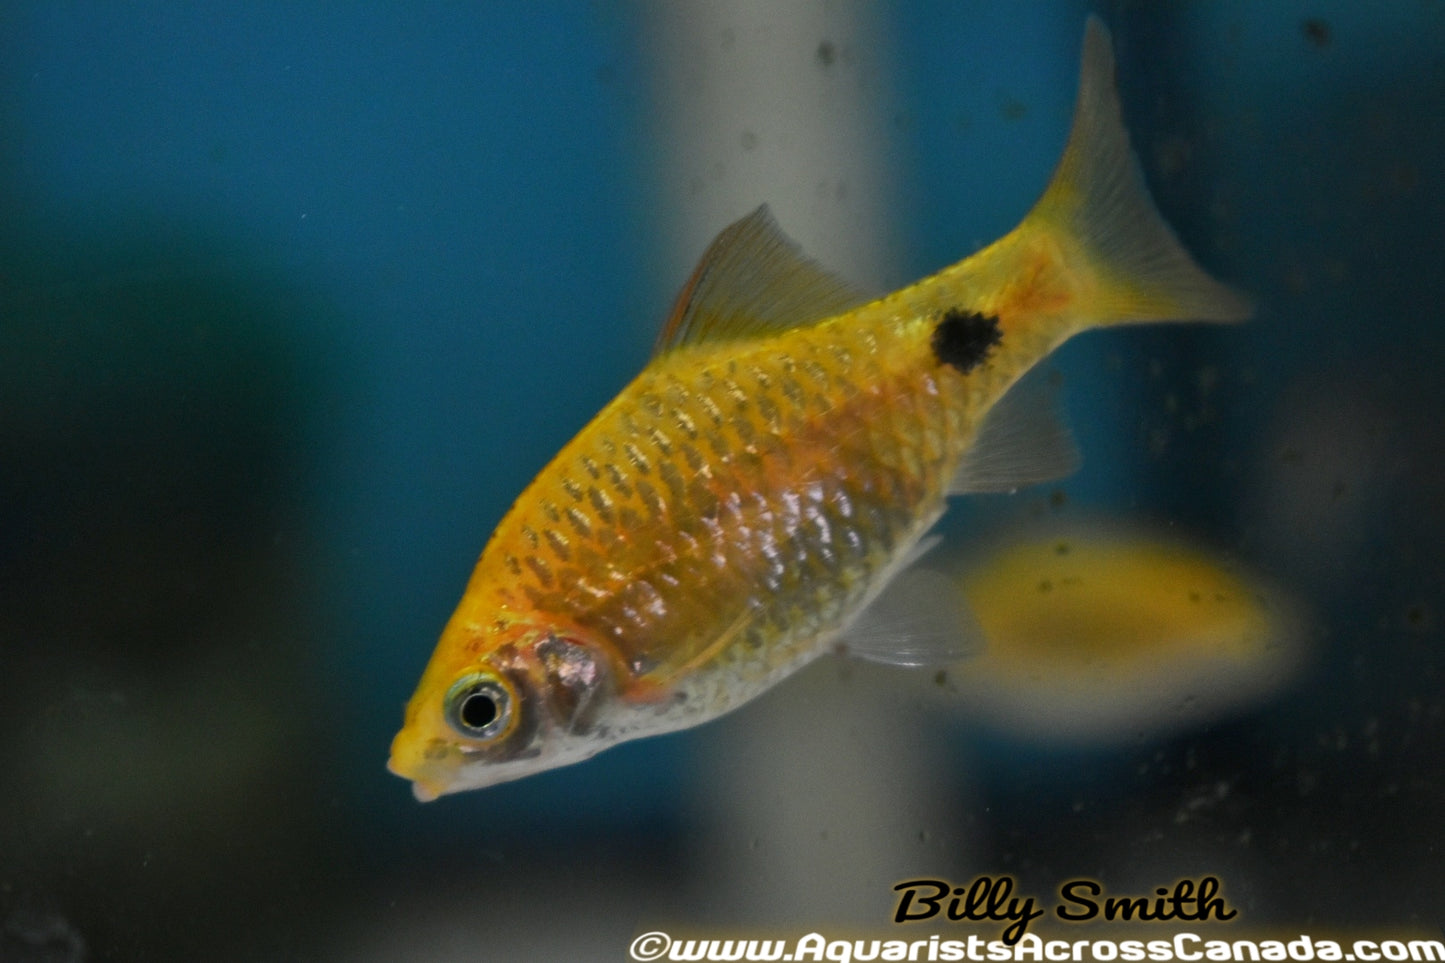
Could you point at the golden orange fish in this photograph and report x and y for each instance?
(757, 495)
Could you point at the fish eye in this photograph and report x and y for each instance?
(480, 706)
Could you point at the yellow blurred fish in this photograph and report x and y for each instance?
(753, 498)
(1100, 631)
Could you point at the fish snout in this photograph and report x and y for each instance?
(429, 764)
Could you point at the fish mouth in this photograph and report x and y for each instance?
(425, 790)
(431, 774)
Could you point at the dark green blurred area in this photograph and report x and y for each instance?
(156, 444)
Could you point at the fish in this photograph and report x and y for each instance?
(762, 492)
(1100, 631)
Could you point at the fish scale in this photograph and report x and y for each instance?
(757, 493)
(772, 569)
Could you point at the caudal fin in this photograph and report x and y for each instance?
(1099, 205)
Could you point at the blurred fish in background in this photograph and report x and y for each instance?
(1099, 631)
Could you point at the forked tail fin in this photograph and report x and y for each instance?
(1098, 205)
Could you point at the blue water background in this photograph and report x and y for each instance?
(298, 297)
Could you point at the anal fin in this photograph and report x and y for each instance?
(1022, 441)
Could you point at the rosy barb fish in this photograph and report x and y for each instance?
(759, 494)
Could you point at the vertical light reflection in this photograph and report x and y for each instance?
(810, 796)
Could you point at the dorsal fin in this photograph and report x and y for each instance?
(753, 280)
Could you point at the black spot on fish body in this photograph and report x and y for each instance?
(964, 339)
